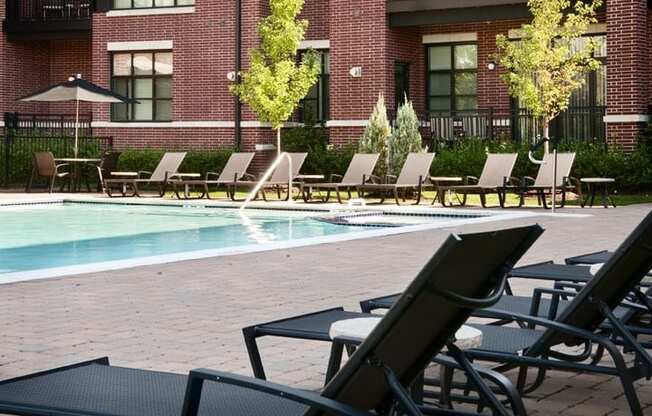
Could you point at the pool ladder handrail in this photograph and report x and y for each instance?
(267, 175)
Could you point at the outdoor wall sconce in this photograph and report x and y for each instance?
(232, 76)
(491, 66)
(356, 72)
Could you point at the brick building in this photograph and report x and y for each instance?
(175, 57)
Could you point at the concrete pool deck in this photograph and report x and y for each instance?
(179, 316)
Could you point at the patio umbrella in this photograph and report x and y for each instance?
(77, 89)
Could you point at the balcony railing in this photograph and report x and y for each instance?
(45, 125)
(48, 19)
(578, 124)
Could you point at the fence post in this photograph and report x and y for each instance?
(9, 120)
(491, 123)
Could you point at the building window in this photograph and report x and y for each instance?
(314, 107)
(148, 4)
(452, 77)
(147, 78)
(594, 91)
(401, 83)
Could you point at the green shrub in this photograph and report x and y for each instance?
(405, 137)
(632, 170)
(376, 135)
(321, 158)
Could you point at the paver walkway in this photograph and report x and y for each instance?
(185, 315)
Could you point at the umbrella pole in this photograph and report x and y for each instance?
(77, 129)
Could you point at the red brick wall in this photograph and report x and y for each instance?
(22, 69)
(628, 87)
(356, 40)
(317, 12)
(69, 57)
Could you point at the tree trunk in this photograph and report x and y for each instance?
(546, 135)
(278, 141)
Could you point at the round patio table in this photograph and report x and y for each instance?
(359, 328)
(598, 184)
(439, 182)
(124, 175)
(76, 166)
(186, 186)
(303, 181)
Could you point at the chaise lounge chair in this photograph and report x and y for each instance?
(597, 315)
(279, 178)
(360, 170)
(234, 170)
(374, 379)
(542, 185)
(167, 167)
(496, 176)
(413, 178)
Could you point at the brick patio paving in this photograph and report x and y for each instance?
(179, 316)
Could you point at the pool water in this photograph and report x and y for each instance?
(58, 235)
(64, 238)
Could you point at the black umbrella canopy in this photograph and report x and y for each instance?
(77, 89)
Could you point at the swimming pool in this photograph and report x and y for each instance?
(46, 240)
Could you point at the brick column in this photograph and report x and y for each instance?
(358, 39)
(628, 82)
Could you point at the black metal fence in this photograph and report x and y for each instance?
(16, 152)
(582, 124)
(22, 124)
(577, 124)
(49, 10)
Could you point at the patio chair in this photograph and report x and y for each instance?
(444, 268)
(235, 169)
(541, 186)
(279, 178)
(44, 165)
(413, 177)
(108, 164)
(496, 175)
(167, 167)
(360, 169)
(374, 379)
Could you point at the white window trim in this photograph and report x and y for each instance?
(315, 44)
(212, 124)
(626, 118)
(450, 37)
(148, 45)
(151, 12)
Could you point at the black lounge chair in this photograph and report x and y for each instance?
(375, 377)
(438, 291)
(595, 316)
(590, 258)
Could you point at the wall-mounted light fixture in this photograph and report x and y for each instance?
(232, 76)
(356, 72)
(491, 66)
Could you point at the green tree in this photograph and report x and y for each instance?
(376, 135)
(549, 61)
(405, 137)
(275, 83)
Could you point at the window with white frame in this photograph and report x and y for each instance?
(150, 4)
(147, 78)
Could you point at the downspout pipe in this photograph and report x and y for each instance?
(238, 65)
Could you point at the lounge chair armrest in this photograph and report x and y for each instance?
(556, 294)
(513, 181)
(391, 178)
(528, 180)
(57, 167)
(573, 181)
(567, 285)
(210, 175)
(334, 177)
(470, 180)
(374, 179)
(144, 172)
(197, 377)
(249, 176)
